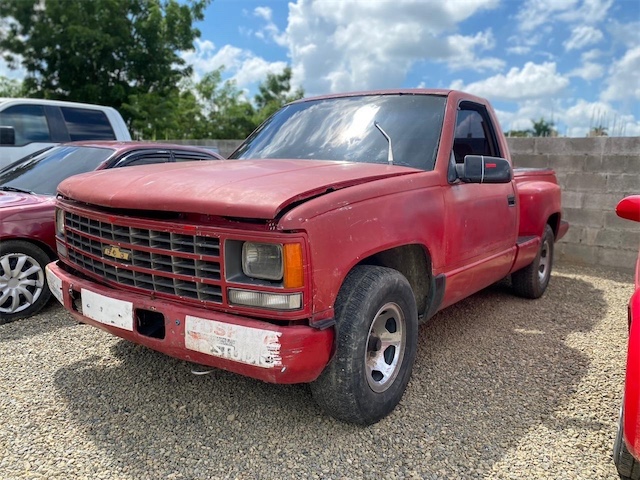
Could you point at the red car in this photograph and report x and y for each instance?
(626, 450)
(27, 204)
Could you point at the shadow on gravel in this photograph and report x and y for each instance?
(488, 369)
(51, 318)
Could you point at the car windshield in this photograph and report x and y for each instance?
(43, 172)
(345, 129)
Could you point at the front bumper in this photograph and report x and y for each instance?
(257, 349)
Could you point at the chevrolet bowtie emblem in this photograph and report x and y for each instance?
(115, 252)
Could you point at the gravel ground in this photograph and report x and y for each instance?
(503, 388)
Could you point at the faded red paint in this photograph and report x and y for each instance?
(30, 217)
(629, 208)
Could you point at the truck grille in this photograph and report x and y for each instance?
(158, 261)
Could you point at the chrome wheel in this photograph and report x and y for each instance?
(385, 347)
(21, 282)
(543, 264)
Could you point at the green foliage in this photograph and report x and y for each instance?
(10, 88)
(543, 128)
(599, 131)
(518, 133)
(273, 93)
(108, 52)
(124, 53)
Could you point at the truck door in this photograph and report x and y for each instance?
(481, 219)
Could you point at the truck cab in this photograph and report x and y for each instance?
(30, 125)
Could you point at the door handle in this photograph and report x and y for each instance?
(511, 200)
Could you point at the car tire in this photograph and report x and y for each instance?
(532, 280)
(23, 283)
(627, 466)
(375, 346)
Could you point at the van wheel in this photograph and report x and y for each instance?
(376, 342)
(532, 280)
(23, 283)
(627, 466)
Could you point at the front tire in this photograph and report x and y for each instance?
(376, 342)
(532, 280)
(23, 283)
(627, 466)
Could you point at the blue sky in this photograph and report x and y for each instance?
(575, 62)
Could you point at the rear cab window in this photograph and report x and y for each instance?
(85, 124)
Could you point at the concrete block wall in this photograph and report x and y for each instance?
(594, 174)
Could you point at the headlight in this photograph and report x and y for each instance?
(59, 222)
(262, 260)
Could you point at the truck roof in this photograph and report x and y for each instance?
(399, 91)
(57, 103)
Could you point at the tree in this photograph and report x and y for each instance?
(225, 111)
(110, 52)
(273, 93)
(599, 131)
(518, 133)
(10, 88)
(542, 128)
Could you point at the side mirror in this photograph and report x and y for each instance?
(481, 169)
(7, 136)
(629, 208)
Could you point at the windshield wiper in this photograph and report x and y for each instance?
(16, 189)
(390, 154)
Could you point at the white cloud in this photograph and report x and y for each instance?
(624, 33)
(463, 50)
(623, 82)
(583, 36)
(536, 13)
(591, 55)
(583, 116)
(588, 71)
(519, 50)
(242, 65)
(531, 82)
(270, 30)
(362, 44)
(263, 12)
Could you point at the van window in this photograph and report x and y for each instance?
(84, 124)
(29, 123)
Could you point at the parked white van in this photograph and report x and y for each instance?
(28, 125)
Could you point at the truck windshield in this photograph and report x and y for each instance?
(344, 129)
(43, 172)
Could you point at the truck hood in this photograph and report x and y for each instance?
(233, 188)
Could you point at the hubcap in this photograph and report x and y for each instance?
(21, 282)
(543, 264)
(385, 347)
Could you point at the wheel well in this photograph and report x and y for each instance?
(414, 263)
(41, 245)
(554, 223)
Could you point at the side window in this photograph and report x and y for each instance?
(473, 135)
(84, 124)
(29, 122)
(190, 156)
(146, 159)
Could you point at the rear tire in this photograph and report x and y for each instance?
(627, 466)
(532, 280)
(376, 342)
(23, 283)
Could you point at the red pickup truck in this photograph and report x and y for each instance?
(313, 253)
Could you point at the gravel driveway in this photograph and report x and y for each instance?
(502, 388)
